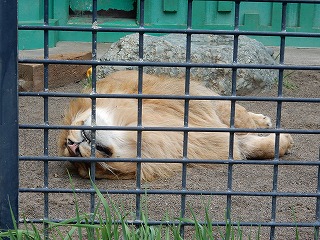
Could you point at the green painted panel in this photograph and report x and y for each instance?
(225, 6)
(81, 5)
(276, 17)
(316, 19)
(155, 16)
(101, 37)
(61, 11)
(30, 12)
(264, 10)
(216, 15)
(293, 14)
(207, 15)
(31, 39)
(86, 5)
(252, 21)
(170, 5)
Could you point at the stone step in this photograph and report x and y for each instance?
(31, 76)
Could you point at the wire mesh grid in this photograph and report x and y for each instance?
(135, 194)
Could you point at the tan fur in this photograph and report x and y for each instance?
(243, 118)
(160, 113)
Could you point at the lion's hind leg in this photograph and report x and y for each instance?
(263, 147)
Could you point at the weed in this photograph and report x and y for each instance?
(287, 83)
(110, 223)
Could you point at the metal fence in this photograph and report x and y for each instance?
(48, 189)
(8, 114)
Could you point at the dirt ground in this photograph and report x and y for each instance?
(249, 178)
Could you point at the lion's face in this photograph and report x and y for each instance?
(78, 143)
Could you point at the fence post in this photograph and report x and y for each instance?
(9, 182)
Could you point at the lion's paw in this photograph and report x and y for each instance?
(287, 140)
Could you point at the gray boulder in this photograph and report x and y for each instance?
(204, 49)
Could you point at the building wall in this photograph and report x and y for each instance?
(169, 14)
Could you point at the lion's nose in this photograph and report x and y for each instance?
(73, 148)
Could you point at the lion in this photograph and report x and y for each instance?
(160, 144)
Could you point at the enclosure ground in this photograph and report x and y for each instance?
(249, 178)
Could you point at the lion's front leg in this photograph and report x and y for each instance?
(243, 118)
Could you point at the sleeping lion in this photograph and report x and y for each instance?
(160, 113)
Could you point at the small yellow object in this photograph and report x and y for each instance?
(89, 72)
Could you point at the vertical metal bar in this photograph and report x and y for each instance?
(186, 116)
(232, 109)
(9, 181)
(316, 229)
(93, 102)
(139, 115)
(46, 114)
(278, 122)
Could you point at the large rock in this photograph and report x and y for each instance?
(204, 49)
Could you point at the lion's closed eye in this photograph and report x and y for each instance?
(107, 151)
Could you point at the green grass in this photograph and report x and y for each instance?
(286, 81)
(108, 222)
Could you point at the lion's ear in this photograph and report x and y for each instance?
(77, 122)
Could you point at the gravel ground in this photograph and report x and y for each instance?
(251, 178)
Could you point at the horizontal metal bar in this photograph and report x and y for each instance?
(173, 97)
(171, 192)
(169, 64)
(165, 30)
(292, 162)
(265, 1)
(170, 129)
(176, 223)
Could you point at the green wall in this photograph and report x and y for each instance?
(85, 5)
(169, 14)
